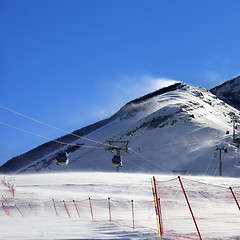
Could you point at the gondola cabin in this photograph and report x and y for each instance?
(117, 161)
(62, 158)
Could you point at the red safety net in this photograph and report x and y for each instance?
(195, 210)
(124, 213)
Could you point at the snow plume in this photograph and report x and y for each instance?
(127, 88)
(153, 84)
(135, 87)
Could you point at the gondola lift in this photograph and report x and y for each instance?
(62, 158)
(117, 161)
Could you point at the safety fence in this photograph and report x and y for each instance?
(189, 209)
(8, 195)
(126, 213)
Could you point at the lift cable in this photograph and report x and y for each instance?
(70, 144)
(209, 164)
(148, 160)
(45, 124)
(216, 169)
(125, 159)
(53, 140)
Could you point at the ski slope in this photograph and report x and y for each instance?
(121, 188)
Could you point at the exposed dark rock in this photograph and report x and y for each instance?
(229, 92)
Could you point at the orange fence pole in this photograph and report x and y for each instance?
(234, 197)
(76, 208)
(189, 207)
(90, 205)
(65, 205)
(54, 205)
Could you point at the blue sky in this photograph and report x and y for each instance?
(70, 63)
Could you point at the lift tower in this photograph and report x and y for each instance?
(234, 121)
(221, 148)
(118, 146)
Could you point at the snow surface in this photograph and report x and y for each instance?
(78, 186)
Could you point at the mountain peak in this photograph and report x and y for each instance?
(149, 96)
(158, 92)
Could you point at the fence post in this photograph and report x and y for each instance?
(90, 205)
(65, 205)
(132, 214)
(159, 213)
(76, 208)
(5, 200)
(155, 206)
(109, 209)
(6, 210)
(189, 207)
(19, 210)
(32, 209)
(54, 205)
(13, 191)
(234, 197)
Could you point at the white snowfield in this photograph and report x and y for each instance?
(48, 217)
(175, 131)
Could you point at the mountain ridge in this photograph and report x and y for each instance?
(229, 92)
(175, 112)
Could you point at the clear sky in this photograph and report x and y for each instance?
(70, 63)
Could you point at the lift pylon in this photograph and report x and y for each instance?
(114, 146)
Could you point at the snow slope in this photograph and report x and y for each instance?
(123, 187)
(176, 130)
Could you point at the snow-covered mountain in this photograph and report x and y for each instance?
(229, 92)
(178, 128)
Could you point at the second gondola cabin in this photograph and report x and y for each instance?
(117, 161)
(62, 158)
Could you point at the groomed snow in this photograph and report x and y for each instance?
(40, 189)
